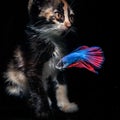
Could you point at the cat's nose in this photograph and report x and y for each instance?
(67, 24)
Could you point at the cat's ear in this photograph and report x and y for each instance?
(39, 3)
(36, 3)
(35, 7)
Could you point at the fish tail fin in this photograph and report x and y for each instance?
(92, 59)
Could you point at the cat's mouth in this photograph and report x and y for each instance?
(62, 27)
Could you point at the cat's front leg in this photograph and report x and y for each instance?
(38, 98)
(62, 98)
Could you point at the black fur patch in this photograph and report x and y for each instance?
(60, 8)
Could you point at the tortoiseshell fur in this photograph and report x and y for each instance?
(32, 71)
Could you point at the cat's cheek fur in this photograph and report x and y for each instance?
(62, 27)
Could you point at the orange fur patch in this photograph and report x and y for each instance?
(46, 13)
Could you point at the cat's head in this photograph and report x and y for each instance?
(56, 12)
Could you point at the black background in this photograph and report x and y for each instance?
(96, 95)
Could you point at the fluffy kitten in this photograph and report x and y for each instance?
(32, 71)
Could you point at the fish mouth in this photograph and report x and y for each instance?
(60, 65)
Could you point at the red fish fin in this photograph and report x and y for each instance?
(83, 64)
(81, 48)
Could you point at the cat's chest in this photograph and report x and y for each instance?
(57, 53)
(50, 66)
(56, 56)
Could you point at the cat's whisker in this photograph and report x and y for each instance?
(73, 29)
(47, 30)
(69, 30)
(40, 21)
(72, 3)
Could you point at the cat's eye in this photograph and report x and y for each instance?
(58, 16)
(71, 18)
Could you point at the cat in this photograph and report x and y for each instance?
(32, 70)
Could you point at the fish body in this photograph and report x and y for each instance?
(90, 58)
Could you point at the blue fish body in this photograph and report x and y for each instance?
(83, 57)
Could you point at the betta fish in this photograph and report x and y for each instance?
(90, 58)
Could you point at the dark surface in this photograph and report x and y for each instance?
(96, 95)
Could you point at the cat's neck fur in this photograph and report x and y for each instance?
(53, 36)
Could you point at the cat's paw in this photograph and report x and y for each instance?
(68, 107)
